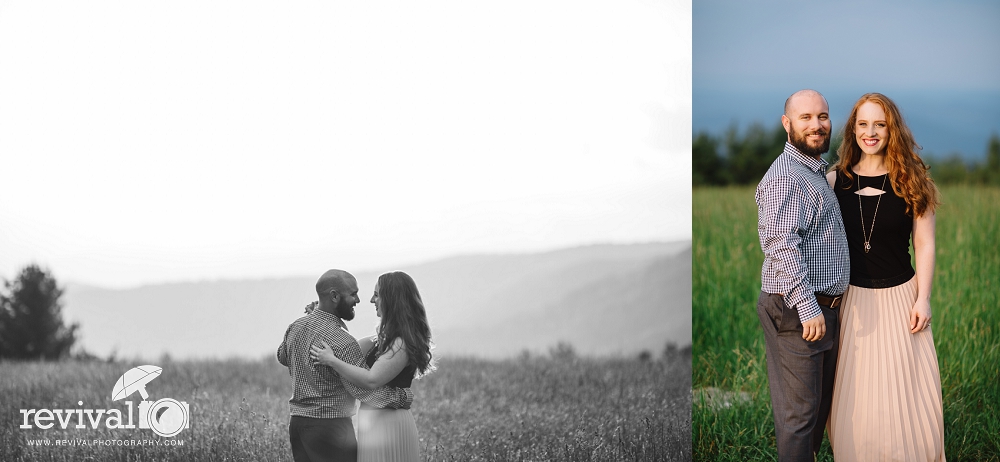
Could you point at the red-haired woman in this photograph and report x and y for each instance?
(887, 393)
(400, 351)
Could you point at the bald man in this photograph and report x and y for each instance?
(320, 427)
(805, 273)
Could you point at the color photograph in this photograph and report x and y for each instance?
(846, 176)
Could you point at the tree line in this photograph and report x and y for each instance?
(735, 158)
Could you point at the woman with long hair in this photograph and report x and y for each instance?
(887, 391)
(395, 355)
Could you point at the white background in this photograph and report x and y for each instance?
(151, 141)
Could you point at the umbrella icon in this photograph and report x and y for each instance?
(133, 380)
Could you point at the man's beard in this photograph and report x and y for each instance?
(344, 310)
(803, 145)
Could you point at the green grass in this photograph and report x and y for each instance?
(729, 344)
(469, 410)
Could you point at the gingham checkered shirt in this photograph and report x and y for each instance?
(801, 233)
(319, 391)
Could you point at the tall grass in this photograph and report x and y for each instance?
(729, 343)
(238, 410)
(469, 410)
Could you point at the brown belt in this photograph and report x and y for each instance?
(831, 302)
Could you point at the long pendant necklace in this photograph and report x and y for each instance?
(868, 235)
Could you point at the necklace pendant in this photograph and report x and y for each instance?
(867, 247)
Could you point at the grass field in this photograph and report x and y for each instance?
(729, 343)
(469, 410)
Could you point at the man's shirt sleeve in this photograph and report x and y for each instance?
(383, 397)
(783, 217)
(283, 349)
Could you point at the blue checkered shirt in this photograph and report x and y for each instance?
(319, 391)
(801, 233)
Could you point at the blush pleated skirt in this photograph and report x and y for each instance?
(887, 392)
(387, 435)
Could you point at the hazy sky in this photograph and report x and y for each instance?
(902, 44)
(940, 62)
(162, 141)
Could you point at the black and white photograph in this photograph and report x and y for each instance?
(372, 231)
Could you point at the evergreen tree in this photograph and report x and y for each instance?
(750, 155)
(707, 166)
(993, 160)
(31, 325)
(743, 158)
(950, 170)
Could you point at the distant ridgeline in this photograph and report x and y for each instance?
(601, 300)
(735, 158)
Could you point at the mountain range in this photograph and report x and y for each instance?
(604, 300)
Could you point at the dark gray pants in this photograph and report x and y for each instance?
(322, 440)
(800, 375)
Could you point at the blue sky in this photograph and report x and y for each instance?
(939, 61)
(906, 45)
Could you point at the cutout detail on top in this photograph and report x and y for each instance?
(870, 191)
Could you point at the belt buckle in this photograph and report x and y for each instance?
(834, 300)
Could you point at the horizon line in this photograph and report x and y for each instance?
(89, 285)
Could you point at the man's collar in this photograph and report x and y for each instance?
(330, 317)
(816, 165)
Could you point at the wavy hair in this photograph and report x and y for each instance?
(907, 171)
(403, 316)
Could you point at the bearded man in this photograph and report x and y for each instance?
(805, 273)
(320, 427)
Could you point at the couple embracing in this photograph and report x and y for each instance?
(331, 371)
(846, 317)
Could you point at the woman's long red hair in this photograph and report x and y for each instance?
(907, 171)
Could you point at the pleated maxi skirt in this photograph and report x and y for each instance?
(387, 435)
(887, 393)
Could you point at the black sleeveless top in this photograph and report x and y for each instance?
(405, 376)
(887, 263)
